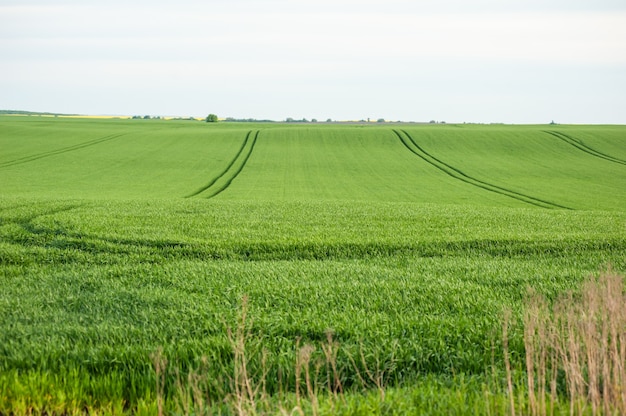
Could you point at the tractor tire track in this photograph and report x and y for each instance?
(242, 155)
(459, 175)
(236, 173)
(62, 150)
(581, 146)
(232, 162)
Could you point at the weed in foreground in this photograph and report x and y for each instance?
(317, 379)
(577, 346)
(575, 355)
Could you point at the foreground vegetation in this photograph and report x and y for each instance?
(374, 265)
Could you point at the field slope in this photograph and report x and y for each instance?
(475, 165)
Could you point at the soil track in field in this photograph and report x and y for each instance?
(62, 150)
(581, 146)
(230, 173)
(412, 145)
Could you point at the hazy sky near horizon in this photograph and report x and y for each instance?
(526, 61)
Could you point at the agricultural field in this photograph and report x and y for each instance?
(161, 266)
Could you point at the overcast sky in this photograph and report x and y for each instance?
(527, 61)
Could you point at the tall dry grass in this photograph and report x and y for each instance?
(578, 345)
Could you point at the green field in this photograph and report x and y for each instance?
(121, 238)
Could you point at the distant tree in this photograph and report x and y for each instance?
(289, 120)
(211, 118)
(313, 120)
(380, 120)
(330, 120)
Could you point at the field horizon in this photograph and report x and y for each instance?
(122, 239)
(284, 120)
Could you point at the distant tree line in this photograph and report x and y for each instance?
(146, 117)
(248, 120)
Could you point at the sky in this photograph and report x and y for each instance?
(483, 61)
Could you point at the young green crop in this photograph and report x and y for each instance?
(536, 162)
(104, 261)
(126, 159)
(116, 280)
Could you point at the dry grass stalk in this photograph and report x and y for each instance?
(304, 362)
(531, 324)
(331, 349)
(160, 365)
(585, 337)
(247, 393)
(507, 364)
